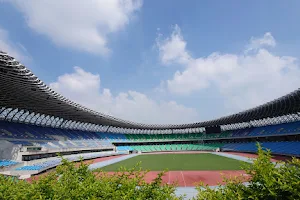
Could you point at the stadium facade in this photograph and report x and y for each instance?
(36, 123)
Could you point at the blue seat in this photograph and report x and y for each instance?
(6, 163)
(287, 147)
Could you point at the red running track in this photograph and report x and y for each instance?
(192, 178)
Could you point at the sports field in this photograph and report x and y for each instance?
(176, 162)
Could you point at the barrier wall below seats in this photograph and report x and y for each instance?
(8, 151)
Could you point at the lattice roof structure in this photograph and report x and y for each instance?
(23, 95)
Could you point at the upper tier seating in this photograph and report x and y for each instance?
(288, 148)
(23, 143)
(280, 129)
(55, 139)
(112, 136)
(51, 138)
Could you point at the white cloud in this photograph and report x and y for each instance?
(256, 43)
(173, 48)
(82, 25)
(245, 80)
(85, 88)
(16, 50)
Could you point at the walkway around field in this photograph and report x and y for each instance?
(275, 158)
(191, 192)
(236, 157)
(111, 161)
(244, 157)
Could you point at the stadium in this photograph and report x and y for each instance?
(36, 124)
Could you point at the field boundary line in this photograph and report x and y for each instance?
(183, 178)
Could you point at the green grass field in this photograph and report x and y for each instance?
(178, 162)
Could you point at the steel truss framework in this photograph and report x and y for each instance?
(26, 99)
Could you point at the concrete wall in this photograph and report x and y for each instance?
(57, 137)
(9, 151)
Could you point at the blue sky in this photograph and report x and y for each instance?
(158, 61)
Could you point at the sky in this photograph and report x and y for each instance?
(158, 62)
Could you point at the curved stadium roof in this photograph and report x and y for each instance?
(21, 89)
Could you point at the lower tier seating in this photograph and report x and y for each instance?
(170, 147)
(52, 162)
(6, 163)
(284, 148)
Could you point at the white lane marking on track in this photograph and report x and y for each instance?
(183, 178)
